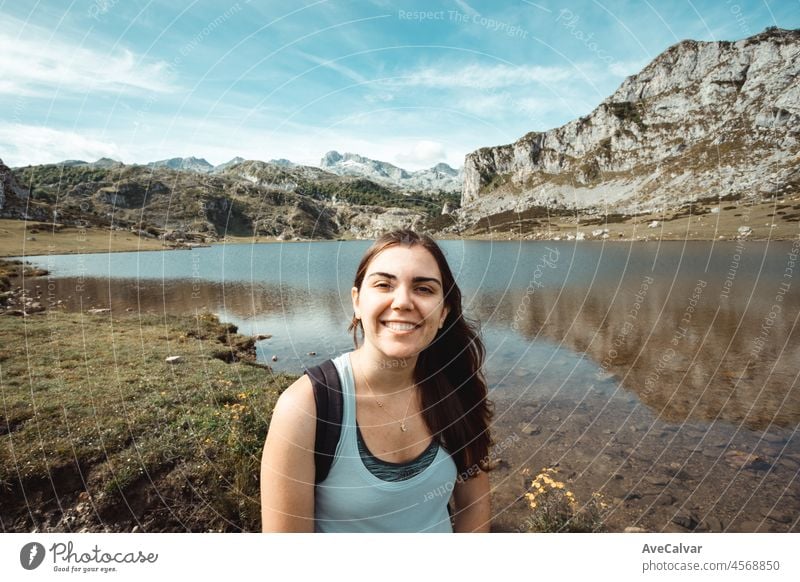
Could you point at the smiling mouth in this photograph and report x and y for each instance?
(398, 326)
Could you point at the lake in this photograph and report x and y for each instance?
(663, 375)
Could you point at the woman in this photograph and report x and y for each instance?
(416, 414)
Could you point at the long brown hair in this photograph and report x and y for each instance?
(449, 371)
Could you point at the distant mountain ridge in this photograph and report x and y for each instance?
(441, 177)
(181, 202)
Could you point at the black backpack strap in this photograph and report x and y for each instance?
(329, 400)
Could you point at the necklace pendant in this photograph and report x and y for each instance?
(403, 426)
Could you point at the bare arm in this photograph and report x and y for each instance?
(473, 508)
(287, 464)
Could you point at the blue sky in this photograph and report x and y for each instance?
(412, 83)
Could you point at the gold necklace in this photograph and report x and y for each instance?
(380, 405)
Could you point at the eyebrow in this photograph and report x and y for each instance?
(414, 280)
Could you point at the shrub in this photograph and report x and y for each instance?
(555, 509)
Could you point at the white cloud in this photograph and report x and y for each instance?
(34, 64)
(336, 66)
(423, 153)
(467, 8)
(29, 144)
(482, 77)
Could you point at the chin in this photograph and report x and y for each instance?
(398, 352)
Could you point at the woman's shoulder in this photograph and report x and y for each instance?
(296, 407)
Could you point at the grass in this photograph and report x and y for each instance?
(99, 433)
(21, 237)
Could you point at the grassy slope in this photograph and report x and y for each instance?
(20, 237)
(98, 432)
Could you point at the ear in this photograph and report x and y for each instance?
(354, 297)
(445, 312)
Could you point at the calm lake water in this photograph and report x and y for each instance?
(663, 374)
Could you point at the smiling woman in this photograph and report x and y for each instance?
(415, 415)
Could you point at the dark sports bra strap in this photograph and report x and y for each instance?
(329, 400)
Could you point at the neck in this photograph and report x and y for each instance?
(385, 376)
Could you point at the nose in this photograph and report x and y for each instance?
(402, 298)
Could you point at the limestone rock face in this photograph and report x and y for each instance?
(13, 197)
(372, 222)
(702, 120)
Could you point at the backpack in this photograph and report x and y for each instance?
(329, 399)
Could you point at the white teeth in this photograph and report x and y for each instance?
(399, 326)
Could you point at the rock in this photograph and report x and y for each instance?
(174, 359)
(781, 516)
(633, 529)
(665, 499)
(675, 471)
(686, 521)
(654, 224)
(743, 460)
(263, 336)
(98, 311)
(530, 429)
(657, 480)
(712, 524)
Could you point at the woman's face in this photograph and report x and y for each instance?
(401, 301)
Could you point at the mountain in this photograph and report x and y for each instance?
(704, 120)
(101, 163)
(186, 206)
(192, 164)
(224, 166)
(440, 177)
(283, 162)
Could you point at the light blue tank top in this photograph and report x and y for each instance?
(351, 499)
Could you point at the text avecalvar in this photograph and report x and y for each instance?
(671, 549)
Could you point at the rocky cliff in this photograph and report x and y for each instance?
(14, 197)
(704, 120)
